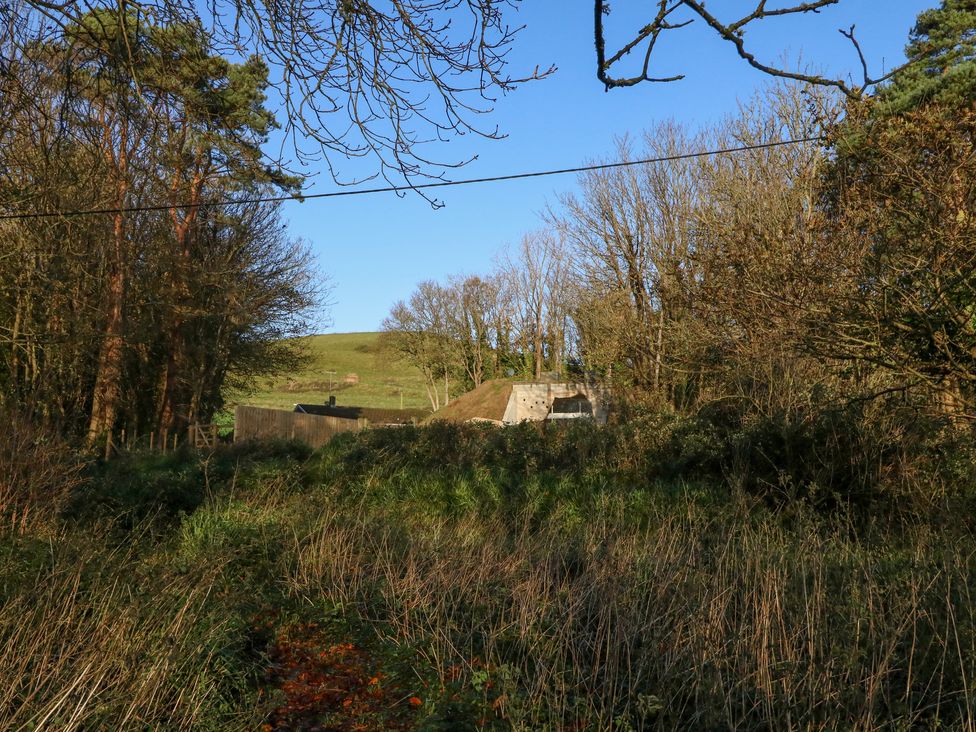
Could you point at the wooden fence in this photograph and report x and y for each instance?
(252, 423)
(202, 437)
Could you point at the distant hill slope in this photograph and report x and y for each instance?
(350, 366)
(488, 401)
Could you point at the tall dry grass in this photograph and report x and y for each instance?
(563, 599)
(90, 639)
(693, 622)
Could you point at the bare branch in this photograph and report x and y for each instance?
(731, 32)
(356, 78)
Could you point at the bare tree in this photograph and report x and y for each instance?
(631, 231)
(418, 331)
(608, 227)
(472, 317)
(668, 16)
(358, 78)
(759, 261)
(355, 78)
(536, 276)
(691, 271)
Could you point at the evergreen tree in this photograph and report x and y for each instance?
(942, 47)
(137, 319)
(899, 196)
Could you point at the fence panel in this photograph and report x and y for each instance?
(252, 423)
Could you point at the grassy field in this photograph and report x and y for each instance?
(465, 577)
(348, 365)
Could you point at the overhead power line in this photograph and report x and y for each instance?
(407, 188)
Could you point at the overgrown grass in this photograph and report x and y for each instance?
(463, 577)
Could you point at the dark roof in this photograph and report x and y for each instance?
(373, 414)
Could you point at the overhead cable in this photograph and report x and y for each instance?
(406, 188)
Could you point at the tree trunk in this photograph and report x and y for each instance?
(107, 392)
(108, 376)
(952, 403)
(537, 348)
(14, 347)
(169, 408)
(430, 384)
(174, 408)
(658, 352)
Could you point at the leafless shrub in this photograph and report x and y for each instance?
(38, 472)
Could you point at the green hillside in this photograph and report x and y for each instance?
(348, 365)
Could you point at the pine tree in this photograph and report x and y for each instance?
(943, 47)
(899, 193)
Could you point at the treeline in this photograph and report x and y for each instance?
(139, 319)
(512, 321)
(786, 281)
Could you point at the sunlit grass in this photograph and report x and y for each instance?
(335, 359)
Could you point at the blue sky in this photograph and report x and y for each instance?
(377, 248)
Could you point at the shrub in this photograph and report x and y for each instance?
(38, 473)
(139, 485)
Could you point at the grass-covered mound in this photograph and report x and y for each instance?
(487, 402)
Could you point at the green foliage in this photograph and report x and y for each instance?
(213, 531)
(147, 110)
(898, 203)
(220, 104)
(942, 48)
(898, 199)
(143, 485)
(466, 576)
(859, 460)
(139, 486)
